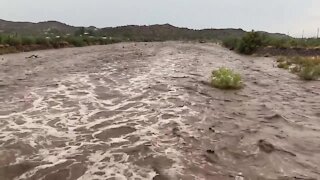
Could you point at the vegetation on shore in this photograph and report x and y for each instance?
(307, 68)
(252, 41)
(19, 36)
(53, 39)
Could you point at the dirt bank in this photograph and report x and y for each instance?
(272, 51)
(6, 49)
(145, 111)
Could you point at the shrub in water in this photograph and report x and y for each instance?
(226, 79)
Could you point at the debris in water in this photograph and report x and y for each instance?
(211, 156)
(211, 129)
(265, 146)
(273, 116)
(175, 131)
(239, 177)
(32, 56)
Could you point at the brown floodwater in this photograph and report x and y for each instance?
(145, 111)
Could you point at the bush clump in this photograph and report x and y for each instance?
(283, 63)
(307, 68)
(231, 43)
(12, 40)
(77, 41)
(225, 78)
(42, 41)
(26, 40)
(310, 73)
(249, 43)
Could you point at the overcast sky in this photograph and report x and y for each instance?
(283, 16)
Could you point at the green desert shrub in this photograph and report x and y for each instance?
(103, 41)
(310, 72)
(249, 43)
(294, 68)
(308, 68)
(283, 65)
(42, 41)
(54, 42)
(301, 61)
(225, 78)
(230, 43)
(76, 41)
(12, 40)
(281, 59)
(26, 40)
(306, 61)
(277, 42)
(89, 40)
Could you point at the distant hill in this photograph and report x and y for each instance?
(130, 32)
(169, 32)
(30, 28)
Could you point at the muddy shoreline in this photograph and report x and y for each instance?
(272, 51)
(144, 111)
(266, 51)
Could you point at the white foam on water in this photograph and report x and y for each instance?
(65, 120)
(63, 128)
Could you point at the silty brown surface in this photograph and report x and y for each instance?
(145, 111)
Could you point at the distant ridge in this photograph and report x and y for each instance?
(134, 32)
(34, 28)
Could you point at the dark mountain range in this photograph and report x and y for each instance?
(34, 28)
(132, 32)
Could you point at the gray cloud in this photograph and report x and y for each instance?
(270, 15)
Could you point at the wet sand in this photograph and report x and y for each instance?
(145, 111)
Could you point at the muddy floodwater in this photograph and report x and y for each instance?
(146, 111)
